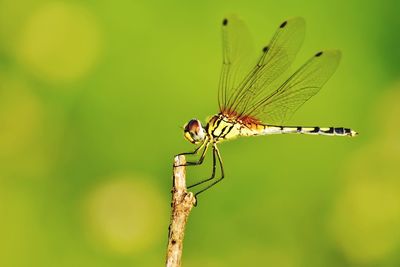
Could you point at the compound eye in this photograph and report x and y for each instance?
(194, 132)
(193, 126)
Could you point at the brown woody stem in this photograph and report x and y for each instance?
(181, 205)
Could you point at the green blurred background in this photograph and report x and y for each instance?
(92, 98)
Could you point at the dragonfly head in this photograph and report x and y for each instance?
(194, 132)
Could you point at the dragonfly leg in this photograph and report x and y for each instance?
(216, 152)
(193, 152)
(212, 175)
(205, 144)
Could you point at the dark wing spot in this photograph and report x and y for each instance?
(225, 22)
(299, 129)
(318, 54)
(265, 49)
(283, 24)
(315, 130)
(347, 130)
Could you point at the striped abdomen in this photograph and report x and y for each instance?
(268, 129)
(221, 128)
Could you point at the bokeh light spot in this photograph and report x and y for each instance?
(388, 114)
(22, 117)
(366, 218)
(125, 215)
(60, 42)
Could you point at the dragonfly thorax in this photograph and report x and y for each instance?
(194, 132)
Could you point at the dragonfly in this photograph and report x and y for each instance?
(257, 100)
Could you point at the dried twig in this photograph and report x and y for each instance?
(182, 204)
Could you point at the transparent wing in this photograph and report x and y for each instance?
(295, 91)
(275, 59)
(237, 55)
